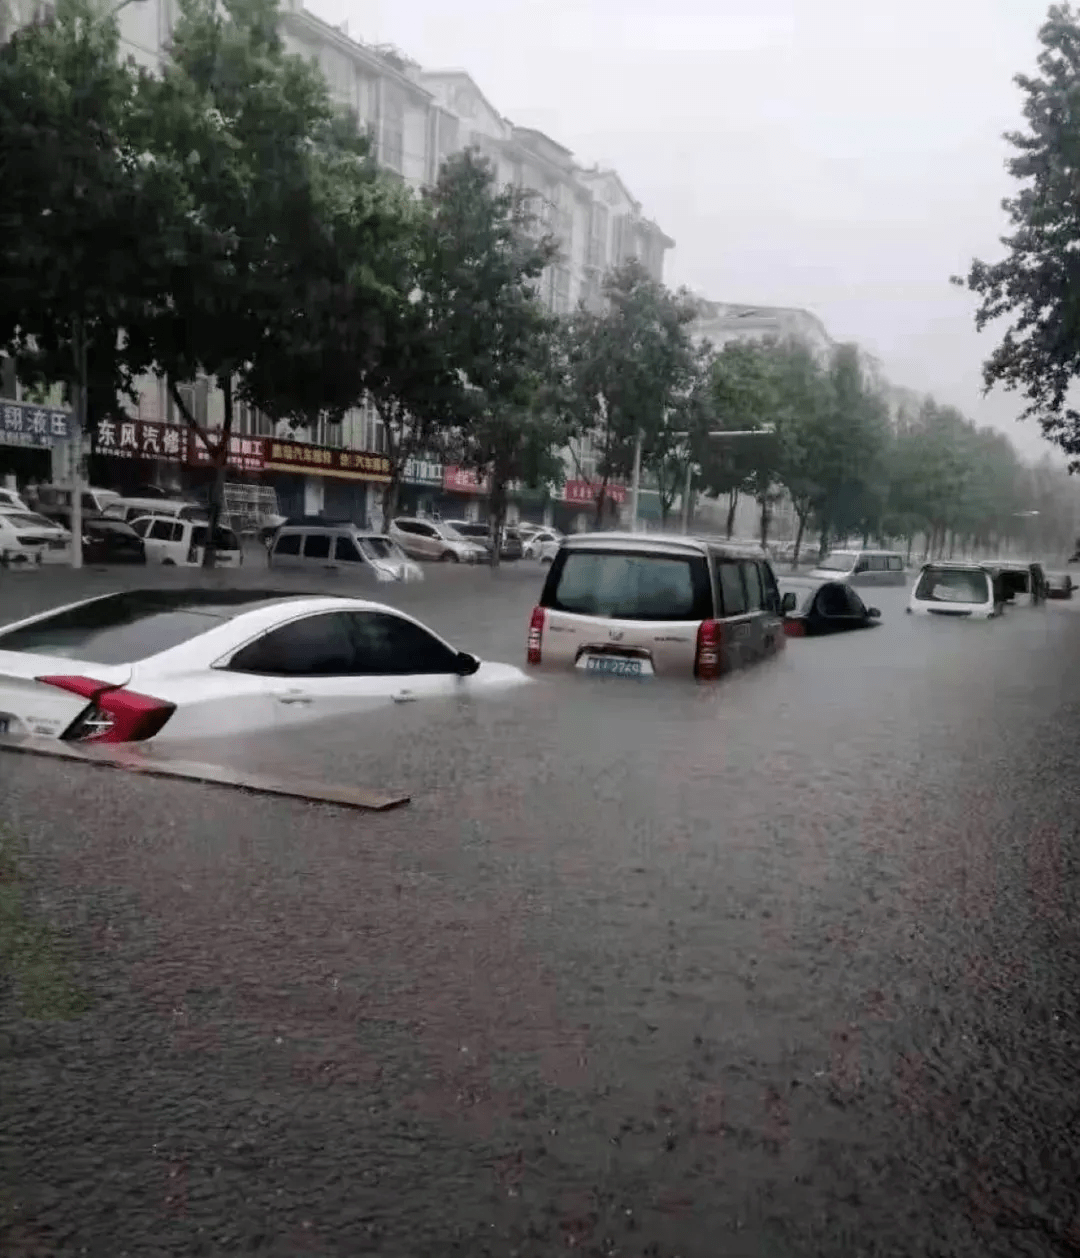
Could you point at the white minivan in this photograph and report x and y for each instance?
(180, 543)
(862, 567)
(967, 590)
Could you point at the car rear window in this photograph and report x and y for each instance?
(953, 585)
(629, 586)
(118, 629)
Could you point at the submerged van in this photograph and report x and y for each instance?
(342, 547)
(967, 590)
(862, 567)
(631, 605)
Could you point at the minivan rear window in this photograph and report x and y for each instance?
(629, 586)
(953, 585)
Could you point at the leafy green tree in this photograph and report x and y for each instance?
(628, 363)
(89, 220)
(1037, 283)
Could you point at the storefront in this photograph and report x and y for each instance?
(577, 511)
(421, 490)
(465, 494)
(29, 434)
(341, 484)
(130, 454)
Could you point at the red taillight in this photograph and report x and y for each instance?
(115, 715)
(794, 629)
(707, 658)
(536, 634)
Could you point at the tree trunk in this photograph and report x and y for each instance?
(390, 495)
(497, 509)
(802, 517)
(217, 485)
(765, 519)
(601, 498)
(733, 503)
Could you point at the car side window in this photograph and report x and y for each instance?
(346, 551)
(879, 563)
(856, 607)
(772, 590)
(896, 564)
(387, 645)
(140, 526)
(729, 584)
(162, 531)
(862, 564)
(287, 545)
(315, 646)
(755, 596)
(832, 601)
(425, 530)
(407, 526)
(317, 546)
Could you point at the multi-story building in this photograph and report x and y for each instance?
(416, 119)
(722, 322)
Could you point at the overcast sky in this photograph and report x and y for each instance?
(844, 156)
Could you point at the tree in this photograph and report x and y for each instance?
(627, 365)
(88, 223)
(1037, 284)
(486, 258)
(804, 396)
(274, 289)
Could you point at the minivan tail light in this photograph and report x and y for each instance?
(536, 634)
(707, 656)
(797, 629)
(114, 715)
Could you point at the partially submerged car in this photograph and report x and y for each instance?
(812, 607)
(944, 588)
(1059, 585)
(1020, 580)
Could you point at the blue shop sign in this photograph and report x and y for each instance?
(28, 424)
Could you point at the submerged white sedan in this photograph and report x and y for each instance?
(171, 665)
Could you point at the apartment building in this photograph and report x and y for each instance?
(416, 119)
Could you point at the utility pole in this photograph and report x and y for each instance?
(78, 339)
(635, 484)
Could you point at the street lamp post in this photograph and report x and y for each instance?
(717, 434)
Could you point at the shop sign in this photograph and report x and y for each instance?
(294, 456)
(27, 424)
(139, 439)
(246, 454)
(423, 472)
(586, 492)
(463, 480)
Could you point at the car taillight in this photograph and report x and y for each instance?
(707, 657)
(796, 628)
(536, 634)
(115, 715)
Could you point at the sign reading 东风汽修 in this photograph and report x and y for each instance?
(140, 439)
(27, 424)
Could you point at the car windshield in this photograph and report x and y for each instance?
(627, 586)
(838, 561)
(27, 520)
(381, 548)
(953, 585)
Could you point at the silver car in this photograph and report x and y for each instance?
(434, 539)
(630, 605)
(862, 567)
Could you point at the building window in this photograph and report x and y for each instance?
(196, 398)
(561, 301)
(392, 147)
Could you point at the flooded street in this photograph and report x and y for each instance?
(783, 966)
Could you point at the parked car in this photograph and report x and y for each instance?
(862, 567)
(957, 589)
(25, 538)
(434, 539)
(1059, 585)
(180, 543)
(178, 508)
(480, 533)
(1026, 580)
(632, 605)
(342, 547)
(57, 537)
(179, 664)
(812, 607)
(105, 540)
(54, 501)
(10, 500)
(543, 545)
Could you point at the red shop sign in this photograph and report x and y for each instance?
(299, 456)
(583, 491)
(246, 454)
(463, 480)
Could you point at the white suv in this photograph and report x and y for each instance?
(956, 589)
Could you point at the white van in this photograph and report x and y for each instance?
(177, 508)
(968, 590)
(180, 543)
(342, 547)
(862, 567)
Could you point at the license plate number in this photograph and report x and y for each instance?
(615, 667)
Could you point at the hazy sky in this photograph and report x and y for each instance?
(844, 156)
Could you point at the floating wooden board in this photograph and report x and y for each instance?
(216, 774)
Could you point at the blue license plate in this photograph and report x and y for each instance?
(613, 666)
